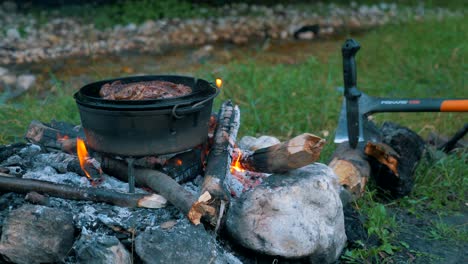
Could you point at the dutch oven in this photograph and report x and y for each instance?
(146, 127)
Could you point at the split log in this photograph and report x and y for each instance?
(182, 199)
(220, 157)
(351, 167)
(62, 137)
(19, 185)
(292, 154)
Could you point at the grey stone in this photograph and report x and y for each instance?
(8, 79)
(3, 71)
(253, 143)
(25, 81)
(13, 33)
(101, 250)
(183, 243)
(37, 234)
(294, 215)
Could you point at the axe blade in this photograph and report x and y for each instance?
(341, 133)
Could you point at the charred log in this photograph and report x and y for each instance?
(292, 154)
(55, 136)
(183, 200)
(409, 146)
(7, 151)
(19, 185)
(219, 158)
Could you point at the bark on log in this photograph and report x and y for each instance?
(409, 146)
(183, 200)
(19, 185)
(351, 167)
(61, 137)
(220, 156)
(292, 154)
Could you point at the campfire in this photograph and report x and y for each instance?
(166, 180)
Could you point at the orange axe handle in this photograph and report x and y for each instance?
(454, 106)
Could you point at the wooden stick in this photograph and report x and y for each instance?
(19, 185)
(183, 200)
(219, 159)
(351, 167)
(292, 154)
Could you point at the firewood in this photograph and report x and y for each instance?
(292, 154)
(19, 185)
(384, 154)
(60, 138)
(409, 148)
(351, 167)
(219, 158)
(182, 199)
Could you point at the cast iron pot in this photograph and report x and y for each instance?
(146, 127)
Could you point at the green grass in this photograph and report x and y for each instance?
(420, 59)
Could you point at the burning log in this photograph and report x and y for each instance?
(19, 185)
(55, 136)
(220, 156)
(187, 203)
(292, 154)
(351, 167)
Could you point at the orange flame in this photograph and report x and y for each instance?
(236, 165)
(179, 162)
(219, 82)
(83, 155)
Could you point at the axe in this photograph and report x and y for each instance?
(353, 123)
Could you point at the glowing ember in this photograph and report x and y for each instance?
(219, 82)
(236, 165)
(62, 138)
(83, 155)
(179, 162)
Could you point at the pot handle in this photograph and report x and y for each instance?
(194, 107)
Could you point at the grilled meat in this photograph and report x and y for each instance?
(143, 90)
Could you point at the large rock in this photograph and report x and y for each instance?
(183, 243)
(37, 234)
(25, 82)
(101, 250)
(293, 215)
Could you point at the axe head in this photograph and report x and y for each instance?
(366, 128)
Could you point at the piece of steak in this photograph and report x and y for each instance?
(143, 90)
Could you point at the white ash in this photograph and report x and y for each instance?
(30, 150)
(13, 160)
(49, 174)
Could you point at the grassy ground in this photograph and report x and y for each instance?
(284, 99)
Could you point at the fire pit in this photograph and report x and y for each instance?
(146, 127)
